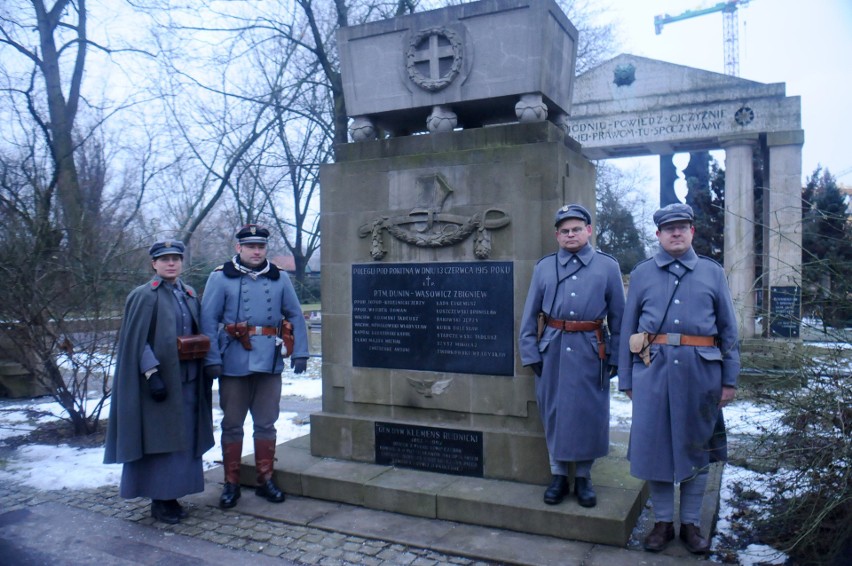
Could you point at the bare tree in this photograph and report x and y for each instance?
(62, 245)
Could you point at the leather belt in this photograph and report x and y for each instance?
(262, 331)
(574, 325)
(595, 326)
(672, 339)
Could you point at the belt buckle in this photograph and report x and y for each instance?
(673, 339)
(258, 330)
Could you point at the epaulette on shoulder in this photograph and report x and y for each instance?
(710, 259)
(607, 255)
(545, 257)
(646, 260)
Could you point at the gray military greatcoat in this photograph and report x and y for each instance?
(572, 397)
(231, 297)
(675, 399)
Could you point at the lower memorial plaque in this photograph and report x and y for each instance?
(444, 450)
(453, 317)
(785, 311)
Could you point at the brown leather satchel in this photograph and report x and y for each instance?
(192, 347)
(288, 339)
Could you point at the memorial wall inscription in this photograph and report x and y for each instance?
(668, 123)
(449, 317)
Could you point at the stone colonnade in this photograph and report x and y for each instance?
(781, 219)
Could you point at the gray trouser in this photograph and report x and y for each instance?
(582, 468)
(259, 393)
(691, 496)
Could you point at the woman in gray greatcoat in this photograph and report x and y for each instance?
(160, 421)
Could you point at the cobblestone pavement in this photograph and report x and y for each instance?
(252, 535)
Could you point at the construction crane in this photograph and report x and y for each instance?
(730, 29)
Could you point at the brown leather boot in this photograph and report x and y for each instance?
(692, 539)
(232, 453)
(659, 537)
(264, 460)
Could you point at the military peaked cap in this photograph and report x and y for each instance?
(573, 211)
(252, 234)
(673, 213)
(166, 247)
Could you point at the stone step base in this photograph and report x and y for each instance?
(486, 502)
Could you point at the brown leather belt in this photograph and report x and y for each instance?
(262, 331)
(574, 325)
(672, 339)
(595, 326)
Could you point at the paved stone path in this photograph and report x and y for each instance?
(233, 530)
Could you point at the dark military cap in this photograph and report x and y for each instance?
(673, 213)
(573, 211)
(167, 247)
(252, 234)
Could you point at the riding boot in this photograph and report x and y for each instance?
(264, 460)
(231, 456)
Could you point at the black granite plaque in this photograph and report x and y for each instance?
(449, 317)
(444, 450)
(785, 309)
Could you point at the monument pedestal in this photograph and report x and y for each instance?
(415, 313)
(492, 503)
(426, 409)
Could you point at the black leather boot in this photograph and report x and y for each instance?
(585, 492)
(230, 495)
(161, 511)
(557, 490)
(177, 508)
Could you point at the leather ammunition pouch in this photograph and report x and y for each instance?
(192, 347)
(640, 345)
(240, 331)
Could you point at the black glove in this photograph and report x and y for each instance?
(536, 367)
(299, 365)
(212, 372)
(157, 387)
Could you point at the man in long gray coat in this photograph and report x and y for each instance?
(680, 367)
(580, 294)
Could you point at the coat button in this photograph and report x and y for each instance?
(568, 349)
(571, 313)
(574, 277)
(676, 362)
(677, 301)
(573, 294)
(677, 321)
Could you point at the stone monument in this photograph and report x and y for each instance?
(429, 245)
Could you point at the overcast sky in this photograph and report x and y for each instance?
(807, 45)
